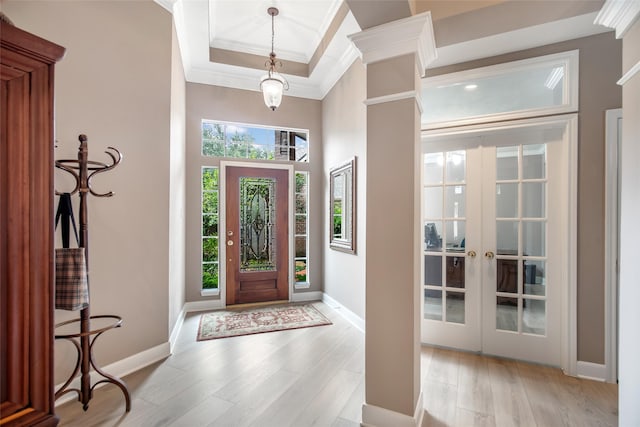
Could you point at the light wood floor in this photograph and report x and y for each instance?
(314, 376)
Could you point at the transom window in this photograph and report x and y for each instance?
(252, 142)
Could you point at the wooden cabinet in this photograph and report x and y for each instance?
(26, 212)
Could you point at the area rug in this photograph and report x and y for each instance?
(231, 323)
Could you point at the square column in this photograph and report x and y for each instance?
(396, 55)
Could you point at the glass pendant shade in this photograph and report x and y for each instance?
(272, 86)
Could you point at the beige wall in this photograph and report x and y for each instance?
(177, 187)
(344, 135)
(114, 85)
(629, 348)
(243, 106)
(600, 59)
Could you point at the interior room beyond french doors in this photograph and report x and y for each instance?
(494, 242)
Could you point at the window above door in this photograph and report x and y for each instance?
(239, 141)
(532, 87)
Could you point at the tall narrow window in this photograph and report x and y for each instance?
(210, 220)
(302, 228)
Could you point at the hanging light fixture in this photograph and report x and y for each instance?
(273, 84)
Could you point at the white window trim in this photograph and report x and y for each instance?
(570, 60)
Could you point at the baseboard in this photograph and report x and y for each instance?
(592, 371)
(210, 304)
(121, 368)
(306, 296)
(175, 332)
(349, 315)
(375, 416)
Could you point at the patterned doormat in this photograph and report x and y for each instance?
(232, 323)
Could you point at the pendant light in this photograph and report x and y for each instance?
(273, 84)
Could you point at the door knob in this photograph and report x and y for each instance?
(230, 243)
(489, 254)
(471, 254)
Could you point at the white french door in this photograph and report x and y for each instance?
(495, 203)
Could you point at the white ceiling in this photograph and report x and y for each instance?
(245, 27)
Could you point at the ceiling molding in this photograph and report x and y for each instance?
(627, 76)
(401, 37)
(166, 4)
(619, 14)
(414, 34)
(522, 39)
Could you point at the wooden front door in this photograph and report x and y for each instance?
(257, 234)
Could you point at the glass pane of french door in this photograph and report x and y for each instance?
(524, 197)
(450, 294)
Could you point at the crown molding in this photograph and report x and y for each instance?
(618, 14)
(401, 37)
(166, 4)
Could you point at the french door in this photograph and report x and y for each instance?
(495, 245)
(257, 234)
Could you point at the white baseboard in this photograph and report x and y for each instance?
(375, 416)
(306, 296)
(353, 318)
(211, 304)
(121, 368)
(175, 332)
(592, 371)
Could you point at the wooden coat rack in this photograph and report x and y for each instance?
(83, 170)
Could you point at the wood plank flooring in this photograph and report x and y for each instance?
(315, 377)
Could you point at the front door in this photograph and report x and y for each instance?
(257, 234)
(495, 242)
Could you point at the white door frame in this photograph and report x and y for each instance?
(222, 246)
(568, 122)
(612, 217)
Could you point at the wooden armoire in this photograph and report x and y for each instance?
(26, 233)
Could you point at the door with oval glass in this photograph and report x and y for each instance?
(257, 234)
(494, 241)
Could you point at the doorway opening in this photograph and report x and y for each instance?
(499, 218)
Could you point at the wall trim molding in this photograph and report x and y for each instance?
(306, 296)
(373, 416)
(611, 246)
(211, 304)
(177, 327)
(415, 94)
(402, 37)
(343, 311)
(629, 74)
(592, 371)
(618, 14)
(122, 368)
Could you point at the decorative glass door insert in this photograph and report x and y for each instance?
(257, 224)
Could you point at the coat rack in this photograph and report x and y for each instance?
(83, 170)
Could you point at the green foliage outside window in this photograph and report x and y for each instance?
(210, 202)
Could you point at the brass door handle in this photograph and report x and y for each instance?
(489, 254)
(471, 254)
